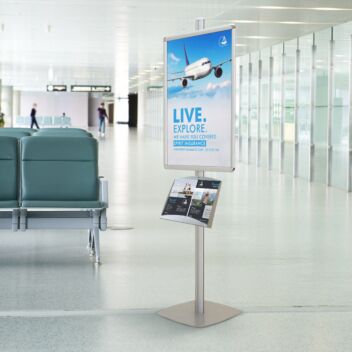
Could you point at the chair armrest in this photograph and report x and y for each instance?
(103, 192)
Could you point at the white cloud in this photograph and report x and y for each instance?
(215, 86)
(174, 58)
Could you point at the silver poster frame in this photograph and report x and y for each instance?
(231, 168)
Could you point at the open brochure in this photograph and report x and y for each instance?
(192, 200)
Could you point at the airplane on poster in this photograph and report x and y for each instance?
(198, 69)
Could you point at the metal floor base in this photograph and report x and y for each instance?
(184, 313)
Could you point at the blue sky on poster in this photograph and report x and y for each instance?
(208, 45)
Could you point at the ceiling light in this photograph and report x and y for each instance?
(258, 37)
(281, 22)
(301, 8)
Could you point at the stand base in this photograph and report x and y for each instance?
(184, 313)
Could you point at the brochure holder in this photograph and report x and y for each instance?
(197, 313)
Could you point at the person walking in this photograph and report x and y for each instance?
(33, 116)
(102, 116)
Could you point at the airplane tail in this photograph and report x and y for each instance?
(186, 57)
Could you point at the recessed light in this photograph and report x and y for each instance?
(281, 22)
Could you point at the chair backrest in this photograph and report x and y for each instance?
(52, 129)
(59, 169)
(12, 132)
(8, 172)
(62, 133)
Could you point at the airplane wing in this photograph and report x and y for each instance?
(179, 78)
(222, 63)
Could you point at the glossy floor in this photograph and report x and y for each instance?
(280, 250)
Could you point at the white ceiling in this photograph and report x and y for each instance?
(96, 41)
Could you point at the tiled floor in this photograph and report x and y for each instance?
(280, 250)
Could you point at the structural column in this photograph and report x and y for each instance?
(270, 95)
(16, 105)
(0, 95)
(282, 117)
(7, 104)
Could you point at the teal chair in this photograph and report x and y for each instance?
(62, 134)
(63, 129)
(8, 172)
(61, 173)
(9, 132)
(23, 129)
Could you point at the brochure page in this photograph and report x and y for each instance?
(192, 198)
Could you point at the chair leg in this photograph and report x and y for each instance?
(91, 246)
(96, 245)
(96, 214)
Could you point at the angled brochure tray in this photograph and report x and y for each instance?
(192, 200)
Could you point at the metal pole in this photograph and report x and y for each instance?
(296, 144)
(270, 139)
(240, 116)
(312, 111)
(330, 108)
(199, 267)
(199, 234)
(249, 110)
(349, 171)
(282, 119)
(259, 109)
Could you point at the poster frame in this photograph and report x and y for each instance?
(230, 168)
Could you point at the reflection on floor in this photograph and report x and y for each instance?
(280, 250)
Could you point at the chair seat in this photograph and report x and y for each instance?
(62, 204)
(8, 204)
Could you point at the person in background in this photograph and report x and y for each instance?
(102, 116)
(33, 116)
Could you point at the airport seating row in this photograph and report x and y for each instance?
(54, 121)
(51, 181)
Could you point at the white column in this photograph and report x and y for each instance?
(6, 104)
(16, 106)
(296, 144)
(282, 117)
(121, 84)
(0, 94)
(270, 104)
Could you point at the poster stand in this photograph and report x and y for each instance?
(199, 313)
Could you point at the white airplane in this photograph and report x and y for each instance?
(198, 69)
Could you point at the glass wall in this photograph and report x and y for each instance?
(294, 113)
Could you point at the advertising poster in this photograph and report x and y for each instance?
(199, 101)
(192, 200)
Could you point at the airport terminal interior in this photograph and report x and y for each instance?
(134, 105)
